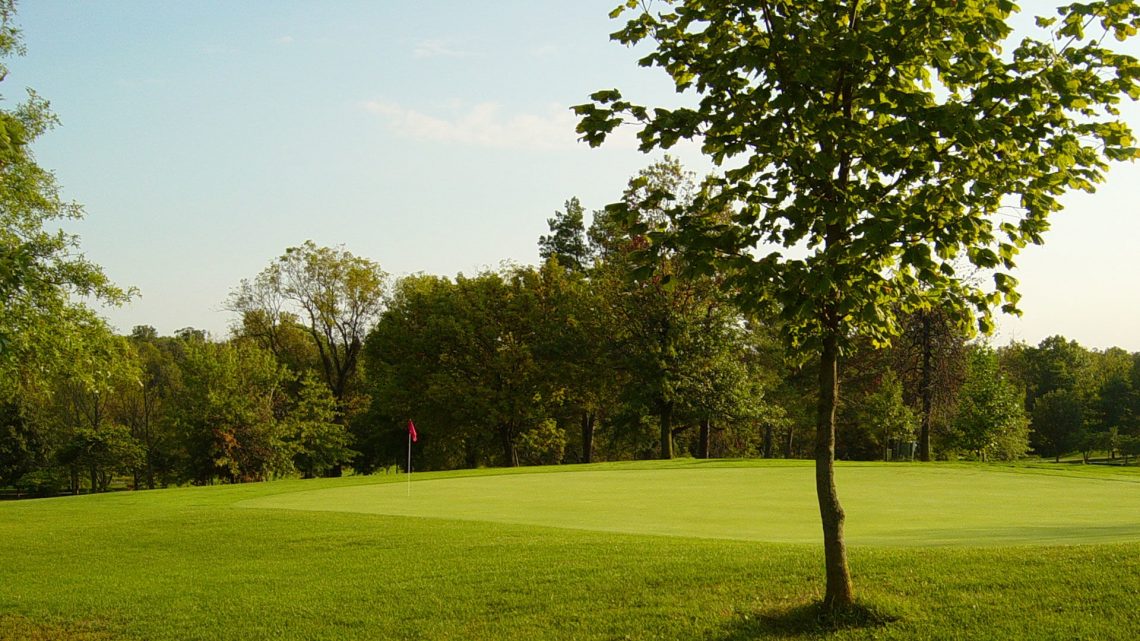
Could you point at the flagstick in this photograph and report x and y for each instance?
(409, 464)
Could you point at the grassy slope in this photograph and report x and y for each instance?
(189, 564)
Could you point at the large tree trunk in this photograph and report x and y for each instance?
(768, 440)
(789, 442)
(588, 419)
(703, 446)
(666, 419)
(927, 389)
(839, 592)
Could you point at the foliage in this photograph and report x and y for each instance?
(567, 240)
(671, 329)
(103, 453)
(226, 414)
(1058, 423)
(990, 421)
(318, 442)
(543, 445)
(41, 269)
(880, 423)
(458, 358)
(333, 294)
(930, 357)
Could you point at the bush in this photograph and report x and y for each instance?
(543, 445)
(41, 483)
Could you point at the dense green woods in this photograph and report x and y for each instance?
(589, 356)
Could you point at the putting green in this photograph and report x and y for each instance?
(909, 505)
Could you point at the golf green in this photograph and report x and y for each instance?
(896, 505)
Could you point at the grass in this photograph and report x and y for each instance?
(903, 504)
(554, 553)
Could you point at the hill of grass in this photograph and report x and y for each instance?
(575, 553)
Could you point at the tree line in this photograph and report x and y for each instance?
(595, 354)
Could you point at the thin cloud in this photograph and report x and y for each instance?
(285, 40)
(483, 125)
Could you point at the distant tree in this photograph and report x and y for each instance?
(1058, 423)
(880, 420)
(22, 448)
(880, 140)
(990, 420)
(335, 295)
(1057, 363)
(459, 358)
(567, 240)
(668, 324)
(81, 409)
(930, 355)
(317, 441)
(1114, 402)
(543, 445)
(145, 408)
(226, 413)
(574, 343)
(102, 454)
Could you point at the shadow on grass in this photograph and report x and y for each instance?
(805, 621)
(14, 627)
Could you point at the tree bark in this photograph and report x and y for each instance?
(839, 593)
(703, 446)
(768, 441)
(510, 453)
(927, 388)
(788, 442)
(588, 419)
(666, 419)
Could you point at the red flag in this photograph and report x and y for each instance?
(412, 430)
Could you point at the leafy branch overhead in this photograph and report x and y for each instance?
(871, 149)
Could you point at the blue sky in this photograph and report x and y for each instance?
(204, 138)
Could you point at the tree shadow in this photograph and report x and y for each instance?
(805, 622)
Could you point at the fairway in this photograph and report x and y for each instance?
(903, 504)
(677, 550)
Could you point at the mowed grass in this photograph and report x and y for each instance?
(576, 553)
(911, 504)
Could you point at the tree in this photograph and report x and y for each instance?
(459, 357)
(883, 419)
(1058, 423)
(336, 295)
(41, 269)
(669, 323)
(227, 413)
(567, 240)
(990, 420)
(930, 356)
(868, 145)
(574, 344)
(145, 408)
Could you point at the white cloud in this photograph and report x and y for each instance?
(285, 40)
(483, 125)
(437, 48)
